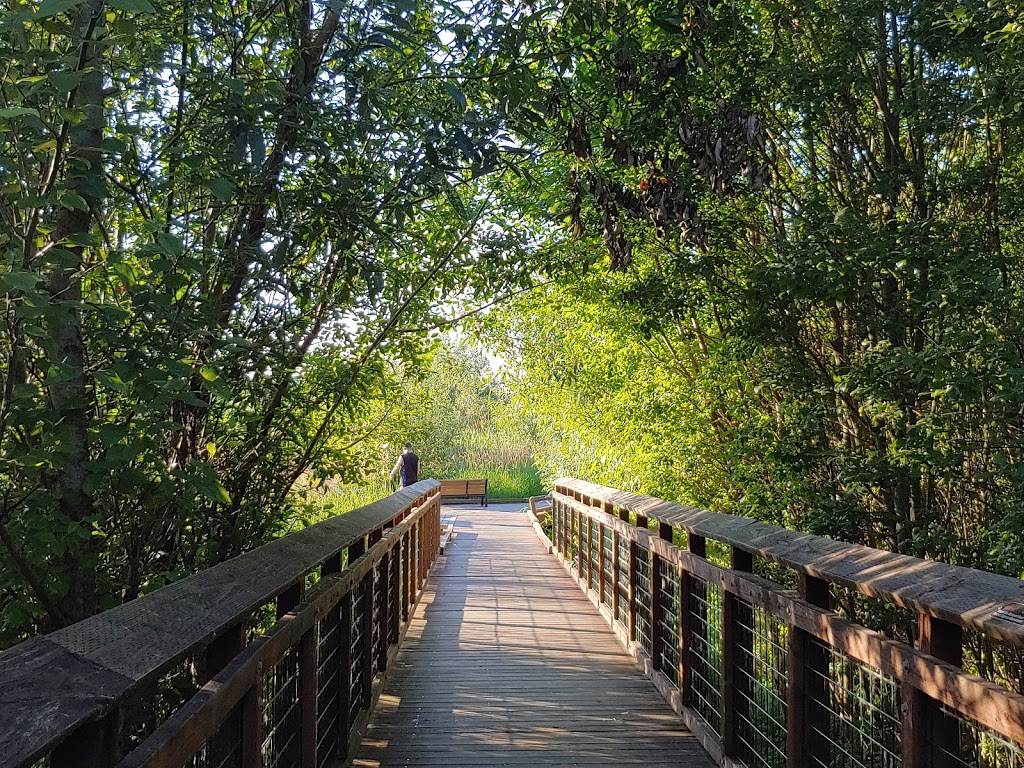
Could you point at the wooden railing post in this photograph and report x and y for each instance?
(93, 745)
(356, 550)
(332, 564)
(665, 532)
(600, 564)
(929, 738)
(807, 675)
(290, 598)
(224, 648)
(737, 650)
(252, 725)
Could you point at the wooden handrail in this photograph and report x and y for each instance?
(964, 596)
(723, 644)
(62, 690)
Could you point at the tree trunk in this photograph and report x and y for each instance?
(69, 388)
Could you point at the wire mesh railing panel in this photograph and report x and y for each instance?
(761, 687)
(377, 601)
(595, 555)
(668, 620)
(642, 598)
(858, 719)
(281, 713)
(567, 535)
(584, 556)
(328, 683)
(358, 653)
(705, 651)
(224, 748)
(607, 547)
(414, 563)
(570, 532)
(622, 544)
(560, 523)
(394, 579)
(574, 540)
(964, 743)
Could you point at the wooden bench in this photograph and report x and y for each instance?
(540, 506)
(466, 489)
(447, 532)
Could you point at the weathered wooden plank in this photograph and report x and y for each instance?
(509, 667)
(34, 676)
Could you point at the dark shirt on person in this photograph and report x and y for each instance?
(410, 469)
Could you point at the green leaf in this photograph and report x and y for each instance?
(222, 189)
(209, 373)
(70, 199)
(457, 96)
(12, 112)
(673, 24)
(18, 281)
(65, 82)
(53, 7)
(132, 6)
(171, 244)
(204, 479)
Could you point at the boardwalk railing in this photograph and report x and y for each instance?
(772, 678)
(294, 695)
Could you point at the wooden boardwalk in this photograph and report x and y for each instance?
(507, 663)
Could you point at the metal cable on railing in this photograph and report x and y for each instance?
(607, 566)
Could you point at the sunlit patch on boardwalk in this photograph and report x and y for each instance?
(507, 663)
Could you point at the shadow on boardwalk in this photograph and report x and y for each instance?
(507, 663)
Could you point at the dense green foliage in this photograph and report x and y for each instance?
(786, 239)
(222, 222)
(814, 211)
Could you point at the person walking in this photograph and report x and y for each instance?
(407, 467)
